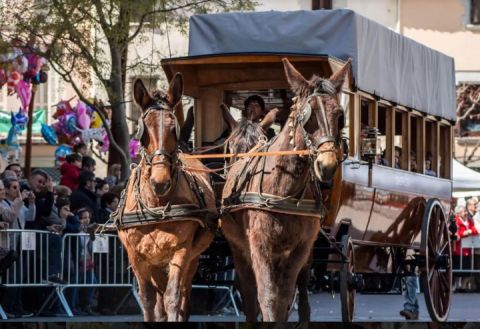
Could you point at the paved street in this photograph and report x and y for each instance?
(370, 308)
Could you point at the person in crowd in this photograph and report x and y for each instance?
(101, 187)
(16, 168)
(413, 161)
(397, 157)
(113, 174)
(40, 183)
(82, 300)
(70, 170)
(472, 208)
(56, 224)
(465, 228)
(88, 164)
(14, 201)
(84, 196)
(61, 191)
(428, 168)
(410, 307)
(8, 174)
(81, 149)
(109, 203)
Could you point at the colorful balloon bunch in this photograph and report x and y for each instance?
(75, 125)
(18, 70)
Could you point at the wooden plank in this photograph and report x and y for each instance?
(390, 154)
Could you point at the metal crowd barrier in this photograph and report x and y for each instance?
(104, 256)
(471, 263)
(221, 279)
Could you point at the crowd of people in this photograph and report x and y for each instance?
(75, 205)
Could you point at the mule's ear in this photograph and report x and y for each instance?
(228, 118)
(175, 90)
(269, 119)
(338, 77)
(141, 95)
(295, 79)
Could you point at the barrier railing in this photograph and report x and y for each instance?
(71, 261)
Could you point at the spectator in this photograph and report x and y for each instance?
(465, 228)
(8, 174)
(88, 164)
(428, 168)
(413, 161)
(81, 149)
(397, 155)
(109, 203)
(113, 174)
(70, 170)
(56, 224)
(83, 301)
(471, 207)
(16, 168)
(41, 185)
(14, 200)
(21, 214)
(85, 196)
(61, 191)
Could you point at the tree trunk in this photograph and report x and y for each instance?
(119, 125)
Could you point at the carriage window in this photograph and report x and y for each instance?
(366, 119)
(345, 103)
(382, 135)
(431, 164)
(400, 149)
(416, 144)
(445, 151)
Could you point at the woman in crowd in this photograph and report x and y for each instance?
(465, 228)
(113, 174)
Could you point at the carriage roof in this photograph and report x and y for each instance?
(385, 64)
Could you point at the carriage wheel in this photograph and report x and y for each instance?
(436, 251)
(347, 271)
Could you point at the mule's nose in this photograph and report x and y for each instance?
(323, 172)
(161, 188)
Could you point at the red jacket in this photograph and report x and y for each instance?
(70, 174)
(461, 228)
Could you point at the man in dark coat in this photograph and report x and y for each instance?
(84, 196)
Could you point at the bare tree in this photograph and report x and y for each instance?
(468, 114)
(85, 40)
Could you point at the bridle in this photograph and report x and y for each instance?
(303, 116)
(169, 158)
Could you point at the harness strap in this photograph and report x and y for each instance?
(273, 203)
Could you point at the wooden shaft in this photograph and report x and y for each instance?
(243, 155)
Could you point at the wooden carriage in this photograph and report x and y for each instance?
(387, 212)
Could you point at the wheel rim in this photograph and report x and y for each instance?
(437, 271)
(347, 294)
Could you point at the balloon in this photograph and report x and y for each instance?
(134, 147)
(62, 151)
(70, 124)
(49, 134)
(96, 121)
(24, 93)
(83, 119)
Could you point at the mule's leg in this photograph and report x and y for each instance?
(187, 289)
(276, 281)
(147, 294)
(173, 293)
(202, 240)
(160, 282)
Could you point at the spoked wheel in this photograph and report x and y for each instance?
(436, 251)
(347, 273)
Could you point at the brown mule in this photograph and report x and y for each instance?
(270, 245)
(172, 212)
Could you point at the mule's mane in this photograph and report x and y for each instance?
(245, 136)
(317, 85)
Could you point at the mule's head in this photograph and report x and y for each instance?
(318, 110)
(244, 135)
(159, 132)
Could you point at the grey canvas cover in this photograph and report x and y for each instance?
(385, 63)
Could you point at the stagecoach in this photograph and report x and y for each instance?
(389, 200)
